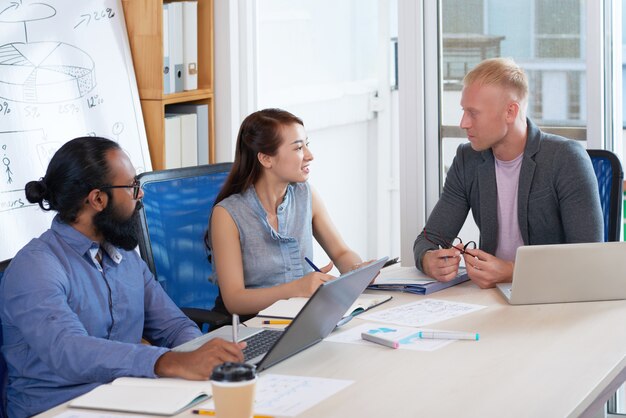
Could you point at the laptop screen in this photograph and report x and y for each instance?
(321, 313)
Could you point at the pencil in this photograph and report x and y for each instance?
(211, 413)
(277, 322)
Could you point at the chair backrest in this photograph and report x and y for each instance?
(610, 177)
(3, 365)
(176, 208)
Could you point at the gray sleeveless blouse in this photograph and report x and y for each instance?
(273, 257)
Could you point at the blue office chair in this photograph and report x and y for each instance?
(610, 177)
(3, 366)
(174, 218)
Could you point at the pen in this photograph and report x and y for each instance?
(448, 335)
(377, 339)
(235, 328)
(312, 265)
(277, 321)
(391, 262)
(211, 413)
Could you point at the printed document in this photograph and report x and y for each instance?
(353, 336)
(421, 313)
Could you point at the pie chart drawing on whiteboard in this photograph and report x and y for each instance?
(45, 72)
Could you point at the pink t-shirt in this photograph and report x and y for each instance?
(509, 235)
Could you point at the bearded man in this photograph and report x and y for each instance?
(77, 301)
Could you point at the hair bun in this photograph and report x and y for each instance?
(36, 191)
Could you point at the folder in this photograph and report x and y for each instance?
(190, 45)
(202, 125)
(173, 157)
(167, 74)
(188, 140)
(175, 20)
(411, 280)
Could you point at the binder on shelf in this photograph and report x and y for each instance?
(175, 20)
(190, 45)
(202, 126)
(188, 140)
(168, 75)
(411, 280)
(173, 158)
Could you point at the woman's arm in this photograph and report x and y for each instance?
(329, 238)
(226, 249)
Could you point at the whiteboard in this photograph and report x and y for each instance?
(65, 71)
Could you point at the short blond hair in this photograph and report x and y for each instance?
(500, 71)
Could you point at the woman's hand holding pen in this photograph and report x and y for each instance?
(308, 284)
(442, 265)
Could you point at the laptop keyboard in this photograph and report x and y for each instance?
(260, 343)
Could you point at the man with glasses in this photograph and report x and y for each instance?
(76, 302)
(524, 187)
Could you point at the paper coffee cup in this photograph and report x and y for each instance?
(233, 386)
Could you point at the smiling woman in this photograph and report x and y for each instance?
(265, 217)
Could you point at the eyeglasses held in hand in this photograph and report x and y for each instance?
(441, 242)
(135, 186)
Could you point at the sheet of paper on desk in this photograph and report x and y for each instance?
(81, 414)
(423, 312)
(353, 336)
(289, 396)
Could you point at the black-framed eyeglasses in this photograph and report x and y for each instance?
(135, 186)
(441, 242)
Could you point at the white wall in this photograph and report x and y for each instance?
(325, 68)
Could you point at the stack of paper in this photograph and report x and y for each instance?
(411, 280)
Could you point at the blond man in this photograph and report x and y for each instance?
(524, 186)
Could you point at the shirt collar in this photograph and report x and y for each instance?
(81, 243)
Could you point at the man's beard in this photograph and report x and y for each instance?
(123, 233)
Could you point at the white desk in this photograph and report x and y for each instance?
(532, 361)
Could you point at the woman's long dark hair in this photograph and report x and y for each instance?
(260, 132)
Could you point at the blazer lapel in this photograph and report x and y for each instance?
(488, 203)
(527, 172)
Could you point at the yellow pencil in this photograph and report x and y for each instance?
(211, 413)
(277, 322)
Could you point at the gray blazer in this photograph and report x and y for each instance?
(558, 199)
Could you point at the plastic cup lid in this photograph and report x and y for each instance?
(233, 372)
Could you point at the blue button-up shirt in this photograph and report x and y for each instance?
(71, 323)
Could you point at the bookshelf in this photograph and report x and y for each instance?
(144, 23)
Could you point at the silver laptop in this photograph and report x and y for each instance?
(315, 321)
(567, 273)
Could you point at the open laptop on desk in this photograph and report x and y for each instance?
(567, 273)
(315, 321)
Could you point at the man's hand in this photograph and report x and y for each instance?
(486, 270)
(442, 265)
(199, 364)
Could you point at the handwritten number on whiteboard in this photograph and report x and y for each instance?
(107, 13)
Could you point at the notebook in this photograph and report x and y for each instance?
(567, 273)
(314, 322)
(164, 396)
(289, 308)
